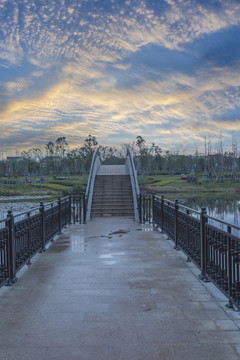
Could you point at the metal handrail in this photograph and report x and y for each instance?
(134, 171)
(95, 154)
(135, 187)
(237, 227)
(167, 200)
(91, 179)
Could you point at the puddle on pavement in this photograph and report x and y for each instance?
(119, 232)
(146, 307)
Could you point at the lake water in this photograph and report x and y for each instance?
(19, 204)
(223, 208)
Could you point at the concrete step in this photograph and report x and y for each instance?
(112, 191)
(112, 177)
(112, 202)
(102, 214)
(117, 195)
(112, 184)
(112, 209)
(112, 196)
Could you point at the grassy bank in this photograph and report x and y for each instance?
(170, 186)
(174, 186)
(52, 185)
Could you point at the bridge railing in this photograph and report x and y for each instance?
(79, 209)
(134, 184)
(91, 180)
(27, 233)
(145, 208)
(212, 244)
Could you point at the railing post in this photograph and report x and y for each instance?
(42, 215)
(11, 244)
(188, 258)
(152, 208)
(52, 238)
(29, 239)
(144, 208)
(176, 225)
(59, 216)
(74, 205)
(230, 303)
(66, 217)
(80, 209)
(203, 221)
(162, 217)
(84, 208)
(140, 207)
(70, 209)
(78, 205)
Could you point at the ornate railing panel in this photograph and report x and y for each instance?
(25, 234)
(52, 222)
(188, 238)
(4, 275)
(212, 244)
(223, 260)
(168, 225)
(65, 213)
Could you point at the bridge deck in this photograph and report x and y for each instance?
(114, 290)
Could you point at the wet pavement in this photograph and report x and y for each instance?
(115, 290)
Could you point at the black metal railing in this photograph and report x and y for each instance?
(79, 208)
(27, 233)
(212, 244)
(145, 208)
(4, 250)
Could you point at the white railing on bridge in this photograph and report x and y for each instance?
(134, 183)
(91, 180)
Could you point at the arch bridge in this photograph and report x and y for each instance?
(113, 285)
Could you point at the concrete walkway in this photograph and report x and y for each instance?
(114, 290)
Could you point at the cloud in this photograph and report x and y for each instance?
(153, 68)
(180, 106)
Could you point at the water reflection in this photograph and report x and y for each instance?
(224, 208)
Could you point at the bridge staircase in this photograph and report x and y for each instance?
(112, 194)
(112, 190)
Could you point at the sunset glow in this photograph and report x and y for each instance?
(168, 70)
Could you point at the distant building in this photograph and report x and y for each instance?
(14, 158)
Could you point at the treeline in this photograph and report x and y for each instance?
(152, 160)
(57, 158)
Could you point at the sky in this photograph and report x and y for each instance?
(166, 70)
